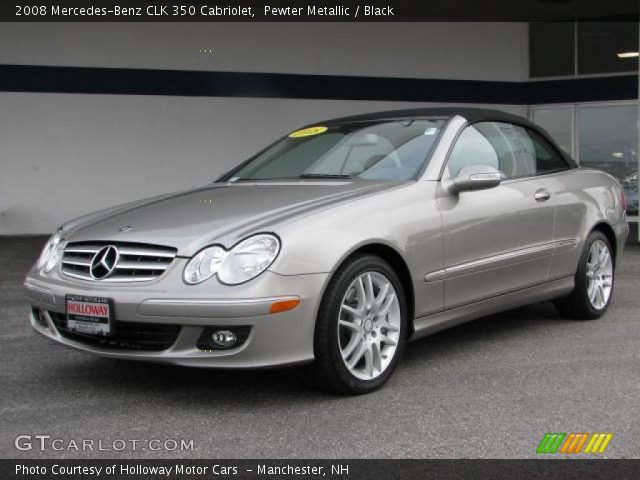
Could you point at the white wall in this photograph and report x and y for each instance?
(467, 50)
(62, 155)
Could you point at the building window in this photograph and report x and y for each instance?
(551, 49)
(602, 136)
(607, 47)
(608, 140)
(559, 49)
(558, 122)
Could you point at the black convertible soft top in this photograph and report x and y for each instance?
(472, 115)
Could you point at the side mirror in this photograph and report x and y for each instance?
(475, 177)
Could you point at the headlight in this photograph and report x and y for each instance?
(245, 261)
(204, 265)
(51, 253)
(248, 259)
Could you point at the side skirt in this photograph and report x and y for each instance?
(429, 324)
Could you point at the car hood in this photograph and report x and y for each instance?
(218, 213)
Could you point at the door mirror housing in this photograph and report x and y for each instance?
(475, 177)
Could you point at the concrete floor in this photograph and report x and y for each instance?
(491, 388)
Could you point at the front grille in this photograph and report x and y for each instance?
(136, 262)
(127, 335)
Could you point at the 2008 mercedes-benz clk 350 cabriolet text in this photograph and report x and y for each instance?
(336, 245)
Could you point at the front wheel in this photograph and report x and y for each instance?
(593, 281)
(361, 327)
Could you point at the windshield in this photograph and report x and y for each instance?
(385, 150)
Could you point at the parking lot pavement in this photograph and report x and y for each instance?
(491, 388)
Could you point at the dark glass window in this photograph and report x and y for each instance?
(557, 120)
(551, 49)
(608, 140)
(600, 43)
(548, 159)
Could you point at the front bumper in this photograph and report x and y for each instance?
(274, 339)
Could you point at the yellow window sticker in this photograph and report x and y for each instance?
(307, 132)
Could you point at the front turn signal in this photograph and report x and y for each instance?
(284, 305)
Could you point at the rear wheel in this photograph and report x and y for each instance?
(593, 281)
(361, 327)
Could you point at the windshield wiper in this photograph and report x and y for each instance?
(323, 175)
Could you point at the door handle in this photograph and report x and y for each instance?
(542, 195)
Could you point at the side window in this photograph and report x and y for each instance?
(548, 159)
(514, 150)
(471, 148)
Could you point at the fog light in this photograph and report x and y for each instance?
(39, 317)
(224, 338)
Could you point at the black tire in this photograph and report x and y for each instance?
(328, 370)
(577, 305)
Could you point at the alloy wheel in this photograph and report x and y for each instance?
(599, 274)
(369, 325)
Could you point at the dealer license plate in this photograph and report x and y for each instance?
(89, 315)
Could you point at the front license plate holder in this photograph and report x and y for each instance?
(87, 315)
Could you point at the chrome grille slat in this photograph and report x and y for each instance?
(137, 262)
(141, 265)
(92, 250)
(116, 278)
(146, 253)
(75, 275)
(77, 262)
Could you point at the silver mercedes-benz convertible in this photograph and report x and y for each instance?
(335, 246)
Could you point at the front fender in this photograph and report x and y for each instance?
(406, 220)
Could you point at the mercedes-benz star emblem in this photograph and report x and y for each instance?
(104, 262)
